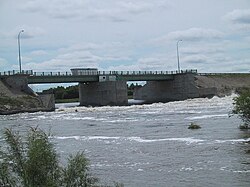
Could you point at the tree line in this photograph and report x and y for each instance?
(72, 92)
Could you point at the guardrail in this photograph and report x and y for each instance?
(32, 73)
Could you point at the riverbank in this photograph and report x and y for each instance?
(20, 104)
(224, 84)
(17, 97)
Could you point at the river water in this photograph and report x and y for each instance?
(151, 145)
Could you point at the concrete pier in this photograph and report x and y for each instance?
(103, 93)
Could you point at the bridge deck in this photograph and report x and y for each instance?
(67, 77)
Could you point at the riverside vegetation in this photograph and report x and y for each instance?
(242, 107)
(33, 162)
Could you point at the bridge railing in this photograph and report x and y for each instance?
(114, 73)
(32, 73)
(15, 72)
(52, 73)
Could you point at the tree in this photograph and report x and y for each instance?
(242, 106)
(33, 162)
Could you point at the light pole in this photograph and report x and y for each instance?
(19, 51)
(178, 58)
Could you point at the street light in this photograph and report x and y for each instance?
(178, 58)
(19, 51)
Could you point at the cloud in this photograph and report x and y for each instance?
(239, 18)
(78, 55)
(192, 34)
(195, 59)
(63, 62)
(207, 48)
(54, 8)
(155, 63)
(38, 53)
(116, 11)
(29, 32)
(3, 63)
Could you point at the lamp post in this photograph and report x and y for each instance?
(19, 51)
(178, 58)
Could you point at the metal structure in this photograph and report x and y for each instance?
(178, 57)
(19, 50)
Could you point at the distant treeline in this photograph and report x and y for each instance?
(61, 92)
(72, 92)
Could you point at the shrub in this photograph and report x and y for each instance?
(242, 106)
(33, 162)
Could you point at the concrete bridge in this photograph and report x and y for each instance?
(110, 88)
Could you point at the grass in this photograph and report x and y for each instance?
(228, 75)
(10, 101)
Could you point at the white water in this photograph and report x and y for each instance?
(150, 145)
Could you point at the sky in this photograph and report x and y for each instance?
(129, 35)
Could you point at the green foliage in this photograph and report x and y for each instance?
(33, 162)
(76, 173)
(242, 106)
(42, 164)
(64, 93)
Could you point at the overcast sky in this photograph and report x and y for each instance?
(126, 34)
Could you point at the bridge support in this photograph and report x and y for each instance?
(180, 88)
(103, 93)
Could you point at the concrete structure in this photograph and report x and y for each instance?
(103, 93)
(180, 88)
(109, 88)
(48, 101)
(21, 97)
(67, 77)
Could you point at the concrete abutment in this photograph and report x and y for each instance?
(182, 87)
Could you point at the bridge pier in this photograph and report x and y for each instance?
(103, 93)
(180, 88)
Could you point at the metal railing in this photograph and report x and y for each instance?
(32, 73)
(16, 72)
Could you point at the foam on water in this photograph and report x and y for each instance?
(234, 140)
(154, 133)
(208, 116)
(188, 140)
(175, 106)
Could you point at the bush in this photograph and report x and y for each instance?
(34, 163)
(242, 106)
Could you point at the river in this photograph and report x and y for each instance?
(151, 145)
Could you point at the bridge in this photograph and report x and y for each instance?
(99, 76)
(110, 87)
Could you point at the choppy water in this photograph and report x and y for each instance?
(150, 145)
